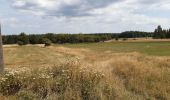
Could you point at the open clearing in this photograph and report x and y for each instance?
(138, 70)
(154, 48)
(38, 56)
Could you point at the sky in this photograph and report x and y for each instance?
(83, 16)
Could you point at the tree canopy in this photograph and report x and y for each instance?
(82, 38)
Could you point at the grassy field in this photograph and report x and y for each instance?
(92, 71)
(150, 48)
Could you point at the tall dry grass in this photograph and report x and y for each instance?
(64, 82)
(145, 76)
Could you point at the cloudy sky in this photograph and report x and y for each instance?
(87, 16)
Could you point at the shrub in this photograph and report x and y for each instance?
(116, 38)
(20, 43)
(46, 42)
(125, 39)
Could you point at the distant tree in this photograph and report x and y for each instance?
(159, 29)
(163, 34)
(168, 33)
(134, 34)
(35, 39)
(155, 35)
(51, 37)
(23, 38)
(159, 33)
(10, 39)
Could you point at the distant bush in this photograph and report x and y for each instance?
(46, 42)
(125, 39)
(116, 38)
(20, 43)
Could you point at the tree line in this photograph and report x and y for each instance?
(24, 38)
(135, 34)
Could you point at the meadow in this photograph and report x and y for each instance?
(155, 48)
(124, 70)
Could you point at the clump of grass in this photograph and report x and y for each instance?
(66, 81)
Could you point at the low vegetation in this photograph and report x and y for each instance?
(98, 71)
(46, 42)
(64, 82)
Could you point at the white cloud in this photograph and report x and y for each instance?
(16, 23)
(87, 15)
(66, 8)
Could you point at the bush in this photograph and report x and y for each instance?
(20, 43)
(116, 38)
(46, 42)
(125, 39)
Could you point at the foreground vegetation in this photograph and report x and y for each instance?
(97, 71)
(65, 82)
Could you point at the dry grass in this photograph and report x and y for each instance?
(145, 76)
(130, 76)
(68, 81)
(135, 76)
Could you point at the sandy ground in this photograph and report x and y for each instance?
(14, 45)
